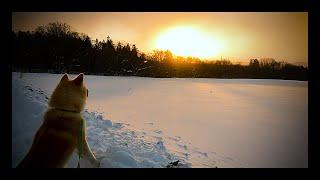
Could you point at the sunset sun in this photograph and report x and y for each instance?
(188, 41)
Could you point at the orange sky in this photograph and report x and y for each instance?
(241, 36)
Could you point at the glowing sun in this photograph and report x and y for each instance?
(188, 41)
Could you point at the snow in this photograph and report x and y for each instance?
(151, 122)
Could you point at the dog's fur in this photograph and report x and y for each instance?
(57, 138)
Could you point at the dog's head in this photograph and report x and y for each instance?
(69, 95)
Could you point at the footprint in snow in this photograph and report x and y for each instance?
(174, 139)
(149, 123)
(158, 131)
(118, 125)
(203, 153)
(185, 147)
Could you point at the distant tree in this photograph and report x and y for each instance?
(254, 63)
(158, 55)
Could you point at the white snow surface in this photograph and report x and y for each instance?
(150, 122)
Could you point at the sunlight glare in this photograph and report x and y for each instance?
(188, 41)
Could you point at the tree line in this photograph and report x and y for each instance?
(56, 48)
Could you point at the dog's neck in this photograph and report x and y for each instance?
(64, 110)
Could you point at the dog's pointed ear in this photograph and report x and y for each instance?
(65, 78)
(79, 80)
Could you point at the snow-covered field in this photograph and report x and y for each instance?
(150, 122)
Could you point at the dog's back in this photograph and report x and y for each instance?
(55, 141)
